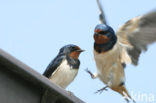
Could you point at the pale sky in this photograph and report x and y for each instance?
(33, 31)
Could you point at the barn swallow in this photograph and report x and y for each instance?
(112, 51)
(64, 68)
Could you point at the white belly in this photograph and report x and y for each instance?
(109, 68)
(64, 75)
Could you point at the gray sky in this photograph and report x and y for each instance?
(34, 30)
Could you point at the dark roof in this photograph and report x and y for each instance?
(23, 71)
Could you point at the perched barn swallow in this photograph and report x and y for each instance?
(112, 51)
(64, 68)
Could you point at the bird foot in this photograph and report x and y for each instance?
(91, 74)
(102, 89)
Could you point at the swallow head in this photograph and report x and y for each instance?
(72, 50)
(104, 37)
(103, 34)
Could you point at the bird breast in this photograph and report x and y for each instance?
(64, 74)
(109, 68)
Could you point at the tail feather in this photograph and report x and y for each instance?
(123, 91)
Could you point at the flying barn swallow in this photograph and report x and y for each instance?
(64, 68)
(112, 51)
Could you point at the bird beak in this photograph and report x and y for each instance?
(80, 50)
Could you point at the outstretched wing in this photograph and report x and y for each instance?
(53, 65)
(136, 34)
(102, 15)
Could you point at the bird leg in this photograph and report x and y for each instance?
(93, 76)
(101, 90)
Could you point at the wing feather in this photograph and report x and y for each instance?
(136, 34)
(53, 65)
(102, 14)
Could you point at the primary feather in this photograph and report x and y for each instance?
(102, 14)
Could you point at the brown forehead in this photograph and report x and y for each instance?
(97, 30)
(78, 48)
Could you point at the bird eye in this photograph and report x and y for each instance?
(103, 32)
(72, 48)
